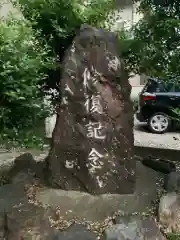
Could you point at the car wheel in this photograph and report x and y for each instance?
(159, 123)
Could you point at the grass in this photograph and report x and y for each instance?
(173, 236)
(27, 138)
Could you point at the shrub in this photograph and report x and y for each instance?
(25, 59)
(173, 236)
(24, 62)
(59, 20)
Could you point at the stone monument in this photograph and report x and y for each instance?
(92, 143)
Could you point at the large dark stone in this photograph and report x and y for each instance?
(21, 218)
(27, 221)
(75, 204)
(10, 195)
(172, 182)
(39, 212)
(26, 170)
(160, 165)
(92, 144)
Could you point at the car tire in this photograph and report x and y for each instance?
(159, 123)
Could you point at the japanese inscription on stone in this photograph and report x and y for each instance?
(94, 129)
(94, 160)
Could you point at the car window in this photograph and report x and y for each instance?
(153, 86)
(169, 87)
(172, 87)
(177, 88)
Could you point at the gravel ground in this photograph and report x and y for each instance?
(169, 140)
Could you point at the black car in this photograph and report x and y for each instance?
(157, 102)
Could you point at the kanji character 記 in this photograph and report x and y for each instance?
(94, 130)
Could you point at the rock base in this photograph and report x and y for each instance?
(30, 210)
(97, 208)
(133, 228)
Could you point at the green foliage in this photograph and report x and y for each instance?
(23, 66)
(135, 105)
(59, 20)
(28, 51)
(173, 236)
(29, 137)
(156, 49)
(128, 47)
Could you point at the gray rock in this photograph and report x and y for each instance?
(97, 208)
(20, 219)
(25, 170)
(27, 221)
(8, 158)
(23, 177)
(77, 232)
(160, 165)
(22, 170)
(172, 182)
(135, 229)
(11, 195)
(169, 212)
(125, 218)
(93, 142)
(3, 226)
(22, 162)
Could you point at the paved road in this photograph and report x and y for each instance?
(169, 140)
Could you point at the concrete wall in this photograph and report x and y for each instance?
(137, 82)
(127, 17)
(7, 8)
(136, 91)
